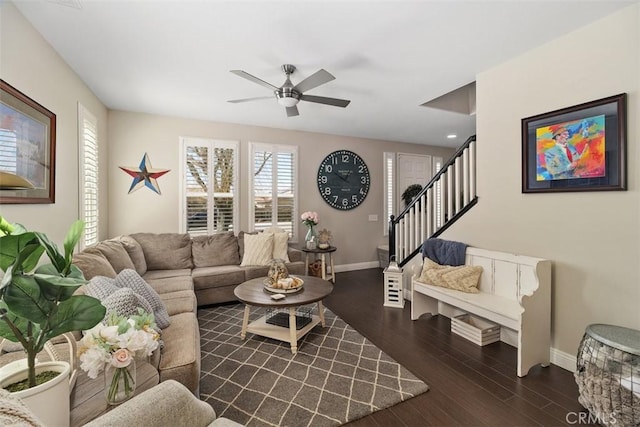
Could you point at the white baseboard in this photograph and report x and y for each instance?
(564, 360)
(358, 266)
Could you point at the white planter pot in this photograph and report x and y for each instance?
(49, 401)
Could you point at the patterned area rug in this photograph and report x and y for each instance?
(337, 375)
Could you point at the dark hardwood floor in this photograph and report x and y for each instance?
(469, 385)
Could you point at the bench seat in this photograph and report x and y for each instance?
(515, 292)
(501, 310)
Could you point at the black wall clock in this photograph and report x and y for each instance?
(343, 179)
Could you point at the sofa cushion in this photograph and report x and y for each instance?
(135, 252)
(165, 251)
(164, 285)
(93, 264)
(210, 277)
(214, 250)
(115, 253)
(254, 271)
(179, 302)
(258, 249)
(129, 278)
(166, 274)
(180, 359)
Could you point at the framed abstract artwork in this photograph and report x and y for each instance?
(579, 148)
(27, 149)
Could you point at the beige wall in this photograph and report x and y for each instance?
(28, 63)
(133, 134)
(591, 237)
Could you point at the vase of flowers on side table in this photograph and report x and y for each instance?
(113, 345)
(310, 219)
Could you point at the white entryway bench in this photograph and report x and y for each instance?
(515, 292)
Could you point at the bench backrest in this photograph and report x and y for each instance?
(510, 276)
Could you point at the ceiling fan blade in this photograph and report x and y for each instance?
(324, 100)
(292, 111)
(254, 79)
(235, 101)
(316, 79)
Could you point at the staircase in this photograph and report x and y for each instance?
(449, 194)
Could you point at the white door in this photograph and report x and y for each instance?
(412, 169)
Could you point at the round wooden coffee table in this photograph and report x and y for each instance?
(253, 293)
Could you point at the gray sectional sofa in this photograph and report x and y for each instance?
(186, 272)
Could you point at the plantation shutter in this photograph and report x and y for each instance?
(263, 178)
(273, 187)
(209, 186)
(284, 190)
(88, 132)
(197, 184)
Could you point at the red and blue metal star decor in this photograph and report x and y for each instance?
(144, 175)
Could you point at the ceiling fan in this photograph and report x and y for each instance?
(289, 95)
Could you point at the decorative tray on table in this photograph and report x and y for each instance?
(284, 286)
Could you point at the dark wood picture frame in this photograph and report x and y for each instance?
(579, 148)
(27, 149)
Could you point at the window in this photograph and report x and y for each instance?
(389, 189)
(88, 157)
(273, 192)
(209, 185)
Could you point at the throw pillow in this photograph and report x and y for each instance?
(115, 253)
(258, 249)
(93, 264)
(134, 250)
(125, 302)
(462, 278)
(280, 246)
(130, 279)
(215, 250)
(100, 287)
(241, 242)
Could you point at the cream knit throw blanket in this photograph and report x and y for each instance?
(15, 413)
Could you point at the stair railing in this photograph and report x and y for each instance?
(448, 195)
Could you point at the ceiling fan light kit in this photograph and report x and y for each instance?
(289, 95)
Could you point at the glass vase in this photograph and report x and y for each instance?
(311, 239)
(119, 383)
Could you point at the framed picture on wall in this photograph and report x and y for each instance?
(579, 148)
(27, 149)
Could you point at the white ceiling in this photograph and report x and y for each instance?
(174, 57)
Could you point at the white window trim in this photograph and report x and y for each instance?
(85, 114)
(186, 141)
(253, 146)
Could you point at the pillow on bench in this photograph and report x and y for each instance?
(462, 278)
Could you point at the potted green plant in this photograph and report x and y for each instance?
(37, 302)
(410, 192)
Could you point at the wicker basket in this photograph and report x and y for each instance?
(608, 377)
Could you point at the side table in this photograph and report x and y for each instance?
(608, 374)
(323, 253)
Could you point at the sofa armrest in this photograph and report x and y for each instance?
(295, 255)
(167, 404)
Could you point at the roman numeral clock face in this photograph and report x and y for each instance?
(343, 180)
